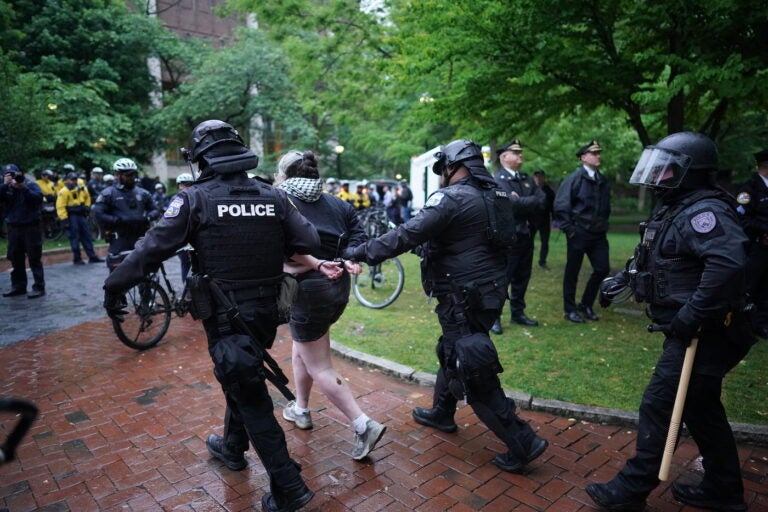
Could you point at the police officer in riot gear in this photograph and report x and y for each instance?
(124, 210)
(753, 207)
(689, 269)
(467, 275)
(227, 217)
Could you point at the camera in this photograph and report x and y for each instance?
(18, 178)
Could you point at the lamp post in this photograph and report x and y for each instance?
(339, 149)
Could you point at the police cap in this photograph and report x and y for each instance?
(761, 156)
(592, 147)
(512, 146)
(10, 169)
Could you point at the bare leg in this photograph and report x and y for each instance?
(314, 361)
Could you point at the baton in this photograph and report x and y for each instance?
(677, 410)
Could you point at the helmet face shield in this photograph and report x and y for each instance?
(439, 166)
(660, 168)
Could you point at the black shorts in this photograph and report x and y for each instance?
(318, 305)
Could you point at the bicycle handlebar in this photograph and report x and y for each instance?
(28, 412)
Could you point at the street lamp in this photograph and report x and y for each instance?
(339, 149)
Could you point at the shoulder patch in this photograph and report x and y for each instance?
(743, 198)
(174, 208)
(704, 222)
(434, 199)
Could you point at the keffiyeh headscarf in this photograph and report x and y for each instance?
(308, 190)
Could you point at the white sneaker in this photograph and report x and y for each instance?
(365, 442)
(303, 421)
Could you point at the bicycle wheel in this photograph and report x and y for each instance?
(148, 318)
(379, 285)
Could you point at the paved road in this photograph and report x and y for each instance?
(121, 430)
(73, 295)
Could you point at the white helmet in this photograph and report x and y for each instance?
(125, 165)
(97, 170)
(184, 177)
(108, 178)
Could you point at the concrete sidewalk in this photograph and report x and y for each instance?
(122, 430)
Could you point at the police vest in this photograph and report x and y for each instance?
(241, 235)
(666, 280)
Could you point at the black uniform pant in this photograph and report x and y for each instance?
(489, 404)
(519, 262)
(544, 230)
(250, 412)
(25, 241)
(704, 416)
(757, 284)
(595, 247)
(79, 233)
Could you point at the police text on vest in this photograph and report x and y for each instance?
(246, 210)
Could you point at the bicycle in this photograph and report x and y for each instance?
(150, 305)
(49, 220)
(378, 286)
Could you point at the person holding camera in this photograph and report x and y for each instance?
(124, 210)
(21, 199)
(73, 205)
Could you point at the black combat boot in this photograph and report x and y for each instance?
(704, 498)
(289, 492)
(612, 496)
(232, 460)
(435, 417)
(508, 462)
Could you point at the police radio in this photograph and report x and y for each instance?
(188, 158)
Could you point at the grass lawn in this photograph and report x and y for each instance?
(605, 363)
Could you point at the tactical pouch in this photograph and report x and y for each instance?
(201, 306)
(289, 288)
(236, 364)
(477, 363)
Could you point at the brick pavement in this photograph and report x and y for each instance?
(122, 430)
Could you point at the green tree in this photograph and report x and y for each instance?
(90, 57)
(24, 120)
(502, 68)
(222, 84)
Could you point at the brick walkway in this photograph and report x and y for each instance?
(122, 430)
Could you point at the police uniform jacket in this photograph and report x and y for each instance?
(241, 229)
(697, 258)
(22, 207)
(583, 203)
(125, 210)
(454, 221)
(753, 207)
(75, 201)
(531, 199)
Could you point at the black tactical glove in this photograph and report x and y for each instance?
(356, 253)
(682, 331)
(116, 305)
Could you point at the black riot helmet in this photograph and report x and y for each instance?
(455, 152)
(217, 146)
(681, 160)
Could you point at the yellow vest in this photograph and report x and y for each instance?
(67, 198)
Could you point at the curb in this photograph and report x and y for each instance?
(743, 432)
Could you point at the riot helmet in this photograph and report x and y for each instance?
(455, 152)
(680, 160)
(217, 145)
(125, 165)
